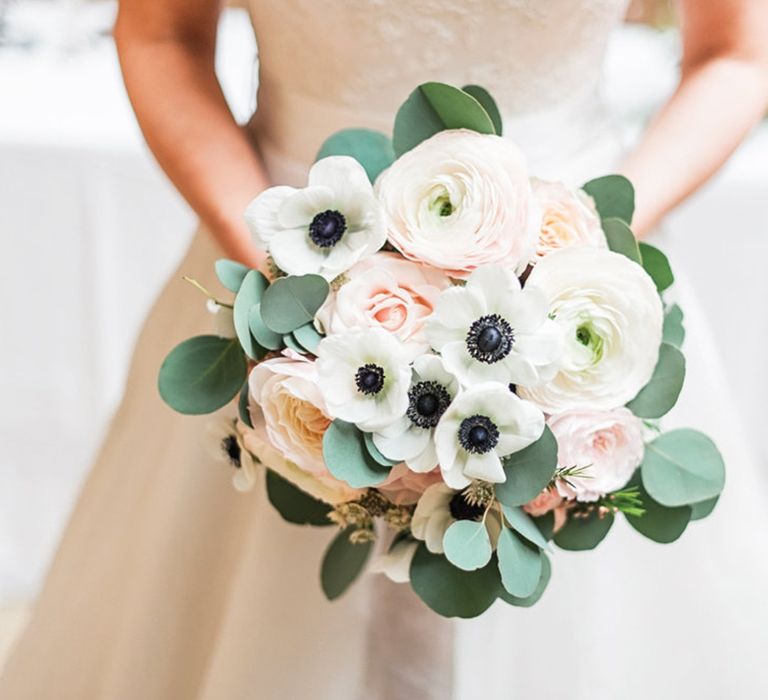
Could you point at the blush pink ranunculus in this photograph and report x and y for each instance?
(608, 444)
(404, 487)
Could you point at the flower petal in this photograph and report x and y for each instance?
(485, 467)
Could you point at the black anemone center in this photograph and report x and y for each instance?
(231, 448)
(370, 379)
(478, 434)
(461, 510)
(327, 228)
(490, 339)
(427, 402)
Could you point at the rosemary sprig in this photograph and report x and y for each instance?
(626, 501)
(565, 473)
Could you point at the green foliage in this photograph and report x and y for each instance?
(467, 544)
(658, 397)
(621, 239)
(251, 290)
(657, 266)
(373, 150)
(528, 471)
(519, 564)
(523, 524)
(373, 451)
(291, 302)
(264, 335)
(293, 504)
(308, 337)
(674, 331)
(347, 457)
(614, 197)
(541, 586)
(202, 374)
(342, 564)
(702, 509)
(581, 533)
(231, 274)
(488, 104)
(242, 406)
(628, 501)
(659, 523)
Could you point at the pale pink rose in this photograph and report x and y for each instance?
(568, 218)
(404, 487)
(289, 420)
(608, 443)
(460, 200)
(385, 291)
(546, 501)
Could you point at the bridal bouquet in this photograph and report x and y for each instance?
(458, 365)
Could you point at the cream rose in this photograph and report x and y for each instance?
(607, 444)
(460, 200)
(611, 317)
(388, 292)
(568, 218)
(289, 419)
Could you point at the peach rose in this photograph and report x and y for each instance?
(404, 487)
(385, 291)
(549, 499)
(608, 444)
(460, 200)
(569, 218)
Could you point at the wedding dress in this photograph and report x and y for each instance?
(170, 585)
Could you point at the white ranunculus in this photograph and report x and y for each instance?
(364, 377)
(460, 200)
(225, 445)
(611, 317)
(410, 438)
(492, 330)
(324, 228)
(482, 425)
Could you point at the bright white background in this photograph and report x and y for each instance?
(90, 229)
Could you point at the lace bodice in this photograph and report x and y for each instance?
(328, 64)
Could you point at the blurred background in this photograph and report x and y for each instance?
(90, 229)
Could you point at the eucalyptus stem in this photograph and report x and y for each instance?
(202, 289)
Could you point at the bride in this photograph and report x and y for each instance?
(170, 585)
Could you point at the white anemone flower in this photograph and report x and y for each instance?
(324, 228)
(225, 445)
(439, 507)
(494, 330)
(410, 438)
(482, 425)
(364, 377)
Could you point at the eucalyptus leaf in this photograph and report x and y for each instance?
(243, 408)
(519, 564)
(342, 564)
(374, 452)
(657, 266)
(682, 467)
(523, 524)
(347, 457)
(264, 335)
(434, 107)
(449, 591)
(541, 586)
(674, 331)
(250, 293)
(372, 149)
(658, 523)
(703, 509)
(292, 344)
(488, 104)
(308, 337)
(528, 471)
(230, 273)
(546, 524)
(467, 544)
(621, 239)
(292, 301)
(614, 197)
(293, 504)
(658, 397)
(202, 374)
(579, 534)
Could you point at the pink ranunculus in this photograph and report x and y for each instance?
(460, 200)
(385, 291)
(568, 218)
(404, 487)
(608, 444)
(549, 499)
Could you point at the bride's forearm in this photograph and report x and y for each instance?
(179, 104)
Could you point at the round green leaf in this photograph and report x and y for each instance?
(292, 344)
(614, 197)
(659, 523)
(579, 534)
(488, 104)
(528, 471)
(546, 525)
(523, 524)
(202, 374)
(702, 509)
(449, 591)
(293, 504)
(243, 408)
(519, 564)
(662, 391)
(682, 467)
(467, 545)
(372, 149)
(674, 331)
(264, 335)
(230, 273)
(434, 107)
(290, 302)
(621, 239)
(250, 293)
(342, 564)
(308, 337)
(657, 266)
(347, 458)
(541, 586)
(373, 451)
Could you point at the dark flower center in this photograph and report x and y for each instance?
(231, 448)
(461, 510)
(427, 402)
(490, 339)
(327, 228)
(370, 379)
(478, 434)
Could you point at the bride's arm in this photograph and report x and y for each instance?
(166, 50)
(722, 94)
